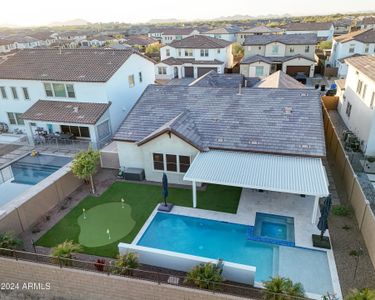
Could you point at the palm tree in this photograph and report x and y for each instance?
(361, 294)
(205, 275)
(63, 252)
(126, 263)
(281, 288)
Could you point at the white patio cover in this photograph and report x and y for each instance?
(278, 173)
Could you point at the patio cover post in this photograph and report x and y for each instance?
(315, 209)
(194, 194)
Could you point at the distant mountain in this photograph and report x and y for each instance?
(75, 22)
(156, 21)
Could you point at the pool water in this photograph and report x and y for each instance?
(273, 230)
(276, 227)
(228, 241)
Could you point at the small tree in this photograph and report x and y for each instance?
(237, 50)
(126, 263)
(361, 294)
(281, 288)
(85, 164)
(9, 241)
(205, 275)
(63, 252)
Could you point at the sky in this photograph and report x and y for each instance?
(42, 12)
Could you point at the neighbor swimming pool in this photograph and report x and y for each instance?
(26, 172)
(228, 241)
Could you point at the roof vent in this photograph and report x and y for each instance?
(252, 142)
(239, 89)
(44, 75)
(80, 117)
(220, 140)
(82, 76)
(288, 110)
(75, 109)
(304, 94)
(305, 146)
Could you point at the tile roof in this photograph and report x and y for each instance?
(364, 36)
(180, 61)
(200, 42)
(262, 29)
(5, 42)
(367, 21)
(280, 80)
(287, 39)
(255, 120)
(222, 30)
(308, 26)
(178, 31)
(85, 65)
(364, 64)
(66, 111)
(271, 59)
(340, 83)
(140, 40)
(214, 79)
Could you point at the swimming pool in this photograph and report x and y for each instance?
(228, 241)
(26, 172)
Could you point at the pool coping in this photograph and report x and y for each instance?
(184, 211)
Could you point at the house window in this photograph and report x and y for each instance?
(307, 49)
(26, 93)
(184, 163)
(162, 70)
(348, 109)
(3, 92)
(131, 81)
(372, 100)
(171, 162)
(70, 91)
(218, 51)
(179, 52)
(275, 49)
(359, 86)
(249, 48)
(48, 89)
(104, 130)
(204, 52)
(158, 161)
(14, 92)
(366, 48)
(188, 52)
(364, 91)
(140, 76)
(168, 52)
(291, 50)
(351, 49)
(59, 90)
(15, 118)
(259, 71)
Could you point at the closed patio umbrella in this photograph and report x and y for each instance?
(324, 213)
(165, 188)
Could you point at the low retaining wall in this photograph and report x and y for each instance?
(28, 208)
(77, 284)
(183, 262)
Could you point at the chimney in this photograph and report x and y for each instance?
(239, 89)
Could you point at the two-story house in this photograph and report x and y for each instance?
(193, 57)
(355, 43)
(258, 30)
(155, 33)
(366, 23)
(342, 26)
(290, 53)
(356, 105)
(81, 92)
(176, 34)
(224, 33)
(323, 30)
(6, 46)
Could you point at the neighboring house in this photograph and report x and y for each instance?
(140, 42)
(170, 35)
(366, 23)
(24, 42)
(7, 46)
(356, 105)
(342, 26)
(155, 33)
(258, 30)
(46, 38)
(193, 57)
(86, 92)
(279, 80)
(97, 41)
(324, 31)
(257, 138)
(224, 33)
(355, 43)
(290, 53)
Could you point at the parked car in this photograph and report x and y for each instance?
(301, 77)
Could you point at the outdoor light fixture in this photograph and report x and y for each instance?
(84, 213)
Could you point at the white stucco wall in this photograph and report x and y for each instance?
(132, 155)
(248, 70)
(299, 62)
(341, 50)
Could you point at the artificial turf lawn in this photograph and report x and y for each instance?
(142, 199)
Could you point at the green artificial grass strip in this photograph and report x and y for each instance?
(142, 198)
(94, 223)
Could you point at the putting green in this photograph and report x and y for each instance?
(113, 216)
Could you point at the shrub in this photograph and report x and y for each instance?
(99, 265)
(63, 252)
(205, 275)
(281, 288)
(9, 241)
(126, 263)
(361, 294)
(341, 210)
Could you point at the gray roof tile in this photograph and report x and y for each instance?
(287, 39)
